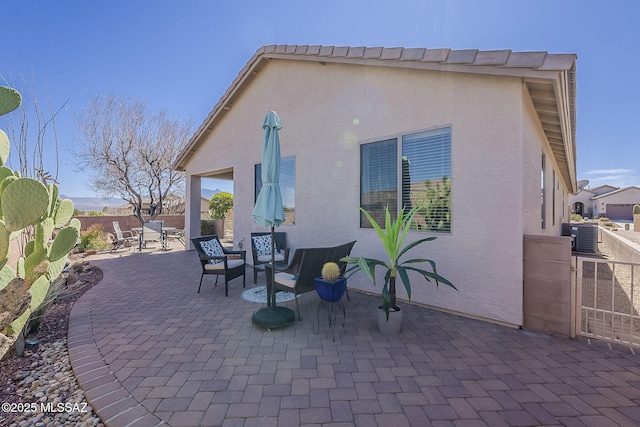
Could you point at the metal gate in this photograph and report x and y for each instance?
(608, 300)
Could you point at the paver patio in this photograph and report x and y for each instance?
(148, 350)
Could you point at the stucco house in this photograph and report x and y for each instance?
(606, 201)
(484, 141)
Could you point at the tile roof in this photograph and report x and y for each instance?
(550, 79)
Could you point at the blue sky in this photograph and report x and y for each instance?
(182, 55)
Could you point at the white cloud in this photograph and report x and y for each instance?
(608, 171)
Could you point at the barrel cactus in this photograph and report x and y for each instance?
(33, 212)
(330, 271)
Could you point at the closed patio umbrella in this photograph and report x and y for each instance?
(268, 212)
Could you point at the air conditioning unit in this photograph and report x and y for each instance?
(585, 238)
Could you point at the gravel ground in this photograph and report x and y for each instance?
(39, 388)
(614, 292)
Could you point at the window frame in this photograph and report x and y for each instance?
(399, 140)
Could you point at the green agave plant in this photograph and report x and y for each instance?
(392, 238)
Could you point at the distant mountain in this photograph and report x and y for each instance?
(206, 193)
(87, 204)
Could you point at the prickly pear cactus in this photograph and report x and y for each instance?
(27, 204)
(10, 99)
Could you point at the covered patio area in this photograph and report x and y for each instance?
(148, 350)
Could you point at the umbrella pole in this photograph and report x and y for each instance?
(272, 296)
(272, 317)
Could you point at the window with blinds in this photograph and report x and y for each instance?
(287, 183)
(414, 173)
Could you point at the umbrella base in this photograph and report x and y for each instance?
(273, 317)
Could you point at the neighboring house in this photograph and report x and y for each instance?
(484, 141)
(204, 208)
(606, 201)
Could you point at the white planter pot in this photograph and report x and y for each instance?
(392, 325)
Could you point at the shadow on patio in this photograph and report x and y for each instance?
(148, 350)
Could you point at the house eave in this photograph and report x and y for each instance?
(550, 79)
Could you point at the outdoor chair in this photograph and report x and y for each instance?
(122, 238)
(261, 251)
(298, 277)
(215, 259)
(176, 235)
(151, 232)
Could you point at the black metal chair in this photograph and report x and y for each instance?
(217, 260)
(262, 255)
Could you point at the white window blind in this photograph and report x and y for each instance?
(419, 175)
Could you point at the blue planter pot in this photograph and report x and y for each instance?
(330, 291)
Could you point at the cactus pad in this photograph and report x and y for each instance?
(55, 268)
(23, 202)
(63, 243)
(53, 199)
(10, 99)
(6, 275)
(39, 291)
(5, 172)
(29, 247)
(44, 230)
(75, 223)
(4, 241)
(33, 266)
(63, 212)
(4, 147)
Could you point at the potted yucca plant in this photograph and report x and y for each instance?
(392, 238)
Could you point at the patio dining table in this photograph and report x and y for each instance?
(163, 239)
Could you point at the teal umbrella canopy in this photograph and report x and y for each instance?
(268, 211)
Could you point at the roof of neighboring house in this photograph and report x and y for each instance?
(611, 193)
(549, 78)
(584, 190)
(601, 189)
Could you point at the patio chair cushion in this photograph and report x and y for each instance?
(232, 263)
(267, 257)
(286, 279)
(263, 245)
(212, 248)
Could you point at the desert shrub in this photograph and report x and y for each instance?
(220, 205)
(576, 217)
(603, 219)
(94, 239)
(207, 228)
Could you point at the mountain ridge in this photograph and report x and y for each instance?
(87, 204)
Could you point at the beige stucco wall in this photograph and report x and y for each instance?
(328, 110)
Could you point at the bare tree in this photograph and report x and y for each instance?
(129, 151)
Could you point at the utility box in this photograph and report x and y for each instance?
(584, 237)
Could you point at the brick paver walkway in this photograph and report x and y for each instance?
(148, 350)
